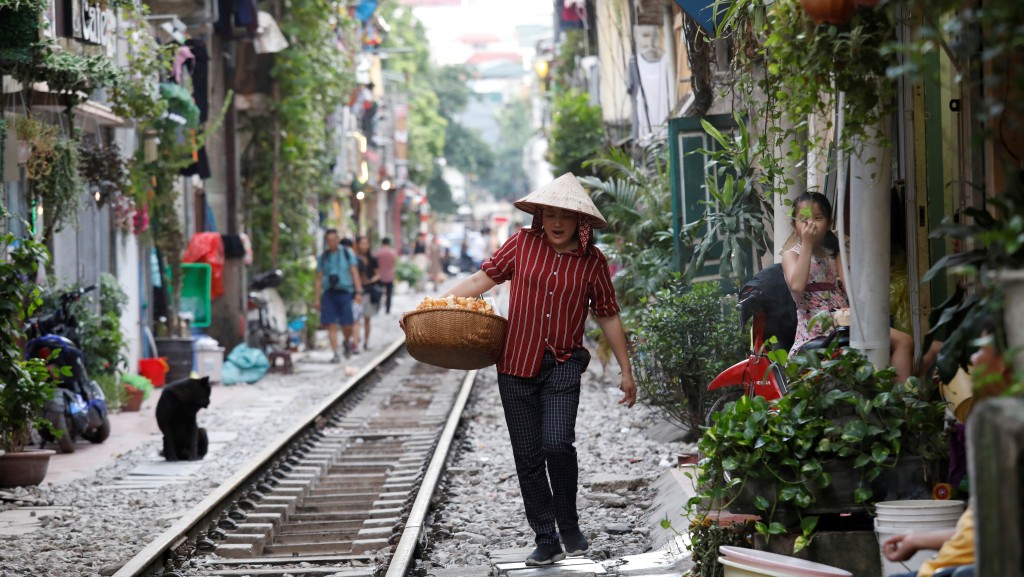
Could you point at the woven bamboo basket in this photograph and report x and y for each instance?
(454, 338)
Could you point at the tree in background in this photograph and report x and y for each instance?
(427, 125)
(464, 148)
(507, 178)
(439, 193)
(577, 133)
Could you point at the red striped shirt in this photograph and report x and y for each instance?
(549, 298)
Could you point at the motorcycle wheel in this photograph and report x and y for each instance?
(99, 434)
(731, 393)
(65, 444)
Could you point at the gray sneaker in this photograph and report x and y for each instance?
(347, 348)
(575, 542)
(545, 554)
(335, 358)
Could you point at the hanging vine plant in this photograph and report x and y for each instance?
(52, 169)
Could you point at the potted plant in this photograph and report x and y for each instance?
(25, 384)
(830, 445)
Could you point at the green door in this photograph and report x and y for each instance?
(686, 137)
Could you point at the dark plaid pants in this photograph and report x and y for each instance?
(541, 416)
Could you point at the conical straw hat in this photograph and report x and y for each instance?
(563, 192)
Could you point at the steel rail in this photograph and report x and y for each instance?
(406, 548)
(152, 558)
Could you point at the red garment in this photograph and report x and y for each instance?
(549, 298)
(386, 258)
(208, 247)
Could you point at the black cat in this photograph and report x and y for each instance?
(180, 401)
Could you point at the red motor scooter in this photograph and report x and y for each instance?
(765, 299)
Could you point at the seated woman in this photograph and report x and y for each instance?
(814, 274)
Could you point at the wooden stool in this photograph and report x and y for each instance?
(286, 362)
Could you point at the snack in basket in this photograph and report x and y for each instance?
(441, 333)
(454, 302)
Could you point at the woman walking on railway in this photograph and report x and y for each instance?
(556, 274)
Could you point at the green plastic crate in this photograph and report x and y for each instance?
(195, 292)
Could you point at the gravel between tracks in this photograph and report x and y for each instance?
(479, 511)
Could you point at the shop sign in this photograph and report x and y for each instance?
(89, 22)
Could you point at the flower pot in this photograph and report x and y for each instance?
(836, 498)
(24, 468)
(830, 11)
(133, 402)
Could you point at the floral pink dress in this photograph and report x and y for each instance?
(824, 292)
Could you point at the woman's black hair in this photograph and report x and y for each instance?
(831, 241)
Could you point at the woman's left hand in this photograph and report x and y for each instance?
(628, 388)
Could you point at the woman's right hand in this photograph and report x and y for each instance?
(811, 233)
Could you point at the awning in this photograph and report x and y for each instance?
(705, 12)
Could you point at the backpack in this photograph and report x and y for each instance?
(347, 274)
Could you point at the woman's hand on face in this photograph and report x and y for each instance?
(811, 233)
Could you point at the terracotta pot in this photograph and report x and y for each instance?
(134, 400)
(831, 11)
(24, 468)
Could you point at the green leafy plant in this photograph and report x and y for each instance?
(735, 218)
(998, 244)
(684, 336)
(74, 75)
(635, 197)
(311, 78)
(406, 271)
(707, 535)
(840, 417)
(25, 384)
(113, 390)
(577, 133)
(99, 333)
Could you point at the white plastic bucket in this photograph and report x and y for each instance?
(210, 363)
(915, 562)
(920, 507)
(941, 521)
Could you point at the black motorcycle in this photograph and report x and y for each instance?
(78, 406)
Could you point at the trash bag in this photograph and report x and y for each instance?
(208, 247)
(244, 365)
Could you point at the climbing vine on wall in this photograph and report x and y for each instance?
(313, 77)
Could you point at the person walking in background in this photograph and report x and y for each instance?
(419, 258)
(357, 307)
(370, 271)
(339, 286)
(435, 268)
(556, 275)
(387, 258)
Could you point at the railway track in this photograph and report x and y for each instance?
(345, 492)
